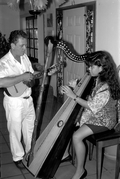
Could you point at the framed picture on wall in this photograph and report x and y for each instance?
(50, 20)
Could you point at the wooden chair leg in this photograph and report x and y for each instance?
(99, 160)
(117, 168)
(73, 154)
(91, 147)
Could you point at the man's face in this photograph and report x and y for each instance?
(19, 47)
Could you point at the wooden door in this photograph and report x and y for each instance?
(74, 31)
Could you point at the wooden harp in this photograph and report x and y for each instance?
(51, 145)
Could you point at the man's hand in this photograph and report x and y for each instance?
(28, 76)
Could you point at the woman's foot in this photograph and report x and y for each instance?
(82, 176)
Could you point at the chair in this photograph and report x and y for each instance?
(102, 140)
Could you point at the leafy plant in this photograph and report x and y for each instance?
(4, 45)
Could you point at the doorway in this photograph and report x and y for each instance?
(76, 25)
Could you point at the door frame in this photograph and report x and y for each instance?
(90, 35)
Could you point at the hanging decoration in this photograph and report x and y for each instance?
(36, 5)
(39, 4)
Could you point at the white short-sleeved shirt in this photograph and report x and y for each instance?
(9, 66)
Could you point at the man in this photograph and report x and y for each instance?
(15, 69)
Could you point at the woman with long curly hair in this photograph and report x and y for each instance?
(99, 113)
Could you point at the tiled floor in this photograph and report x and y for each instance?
(65, 170)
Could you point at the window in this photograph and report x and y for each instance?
(32, 43)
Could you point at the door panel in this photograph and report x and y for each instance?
(74, 32)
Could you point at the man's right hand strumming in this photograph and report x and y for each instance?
(27, 76)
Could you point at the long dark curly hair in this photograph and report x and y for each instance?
(109, 72)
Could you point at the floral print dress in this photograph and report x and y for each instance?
(102, 106)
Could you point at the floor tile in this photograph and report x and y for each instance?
(25, 171)
(2, 117)
(16, 177)
(29, 176)
(6, 137)
(4, 131)
(4, 148)
(90, 167)
(65, 171)
(107, 175)
(10, 170)
(3, 124)
(2, 140)
(109, 164)
(6, 158)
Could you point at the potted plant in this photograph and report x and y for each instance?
(4, 45)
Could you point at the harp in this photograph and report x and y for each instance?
(51, 144)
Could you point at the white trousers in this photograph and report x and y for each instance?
(20, 115)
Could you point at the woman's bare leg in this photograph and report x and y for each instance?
(80, 148)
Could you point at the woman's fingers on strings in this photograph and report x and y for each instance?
(65, 89)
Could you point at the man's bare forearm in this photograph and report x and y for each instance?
(10, 81)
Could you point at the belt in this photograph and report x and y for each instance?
(26, 97)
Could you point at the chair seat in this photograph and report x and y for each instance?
(102, 140)
(103, 136)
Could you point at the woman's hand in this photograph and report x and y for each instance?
(73, 83)
(68, 91)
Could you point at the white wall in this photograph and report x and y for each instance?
(107, 27)
(9, 20)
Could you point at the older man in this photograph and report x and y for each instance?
(15, 69)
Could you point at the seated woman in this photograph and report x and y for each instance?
(100, 108)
